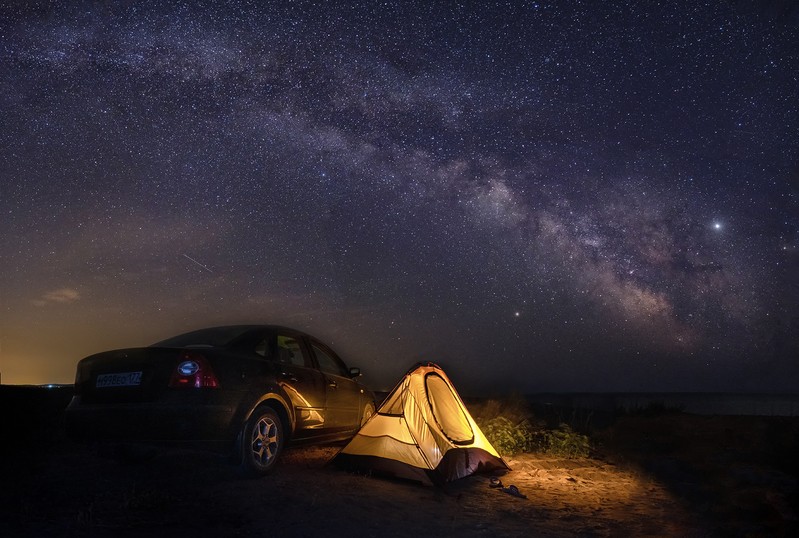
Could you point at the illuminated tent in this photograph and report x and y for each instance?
(422, 431)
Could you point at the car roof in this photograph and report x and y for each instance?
(242, 329)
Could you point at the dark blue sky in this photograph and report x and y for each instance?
(541, 197)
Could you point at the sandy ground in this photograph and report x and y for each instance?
(186, 493)
(672, 475)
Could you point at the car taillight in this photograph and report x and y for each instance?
(193, 370)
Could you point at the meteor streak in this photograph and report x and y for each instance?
(197, 263)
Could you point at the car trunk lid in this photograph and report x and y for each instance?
(126, 375)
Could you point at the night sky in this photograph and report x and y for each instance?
(566, 196)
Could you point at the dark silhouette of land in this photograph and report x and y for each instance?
(657, 472)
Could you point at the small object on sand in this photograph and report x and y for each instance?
(513, 490)
(495, 482)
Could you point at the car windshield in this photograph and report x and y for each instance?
(213, 337)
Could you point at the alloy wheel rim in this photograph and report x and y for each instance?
(264, 441)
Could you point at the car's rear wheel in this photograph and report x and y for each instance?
(368, 411)
(262, 441)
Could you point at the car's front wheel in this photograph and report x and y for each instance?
(262, 441)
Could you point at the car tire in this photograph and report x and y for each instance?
(368, 411)
(262, 441)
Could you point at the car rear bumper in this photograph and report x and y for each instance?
(149, 422)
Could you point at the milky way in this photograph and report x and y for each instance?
(539, 197)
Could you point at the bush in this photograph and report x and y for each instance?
(511, 428)
(509, 425)
(566, 443)
(508, 438)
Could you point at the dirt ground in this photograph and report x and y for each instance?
(670, 475)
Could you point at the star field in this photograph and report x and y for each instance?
(541, 197)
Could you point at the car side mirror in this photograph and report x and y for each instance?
(355, 372)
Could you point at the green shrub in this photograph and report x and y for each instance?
(509, 424)
(508, 438)
(566, 443)
(511, 428)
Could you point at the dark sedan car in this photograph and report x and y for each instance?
(247, 388)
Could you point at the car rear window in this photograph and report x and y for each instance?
(213, 337)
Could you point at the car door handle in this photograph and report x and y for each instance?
(332, 383)
(289, 377)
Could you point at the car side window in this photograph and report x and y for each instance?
(289, 351)
(329, 363)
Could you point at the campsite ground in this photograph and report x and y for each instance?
(666, 475)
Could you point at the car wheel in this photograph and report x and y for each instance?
(262, 441)
(368, 411)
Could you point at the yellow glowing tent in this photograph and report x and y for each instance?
(422, 431)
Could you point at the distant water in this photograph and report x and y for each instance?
(698, 403)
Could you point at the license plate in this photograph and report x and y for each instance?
(126, 379)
